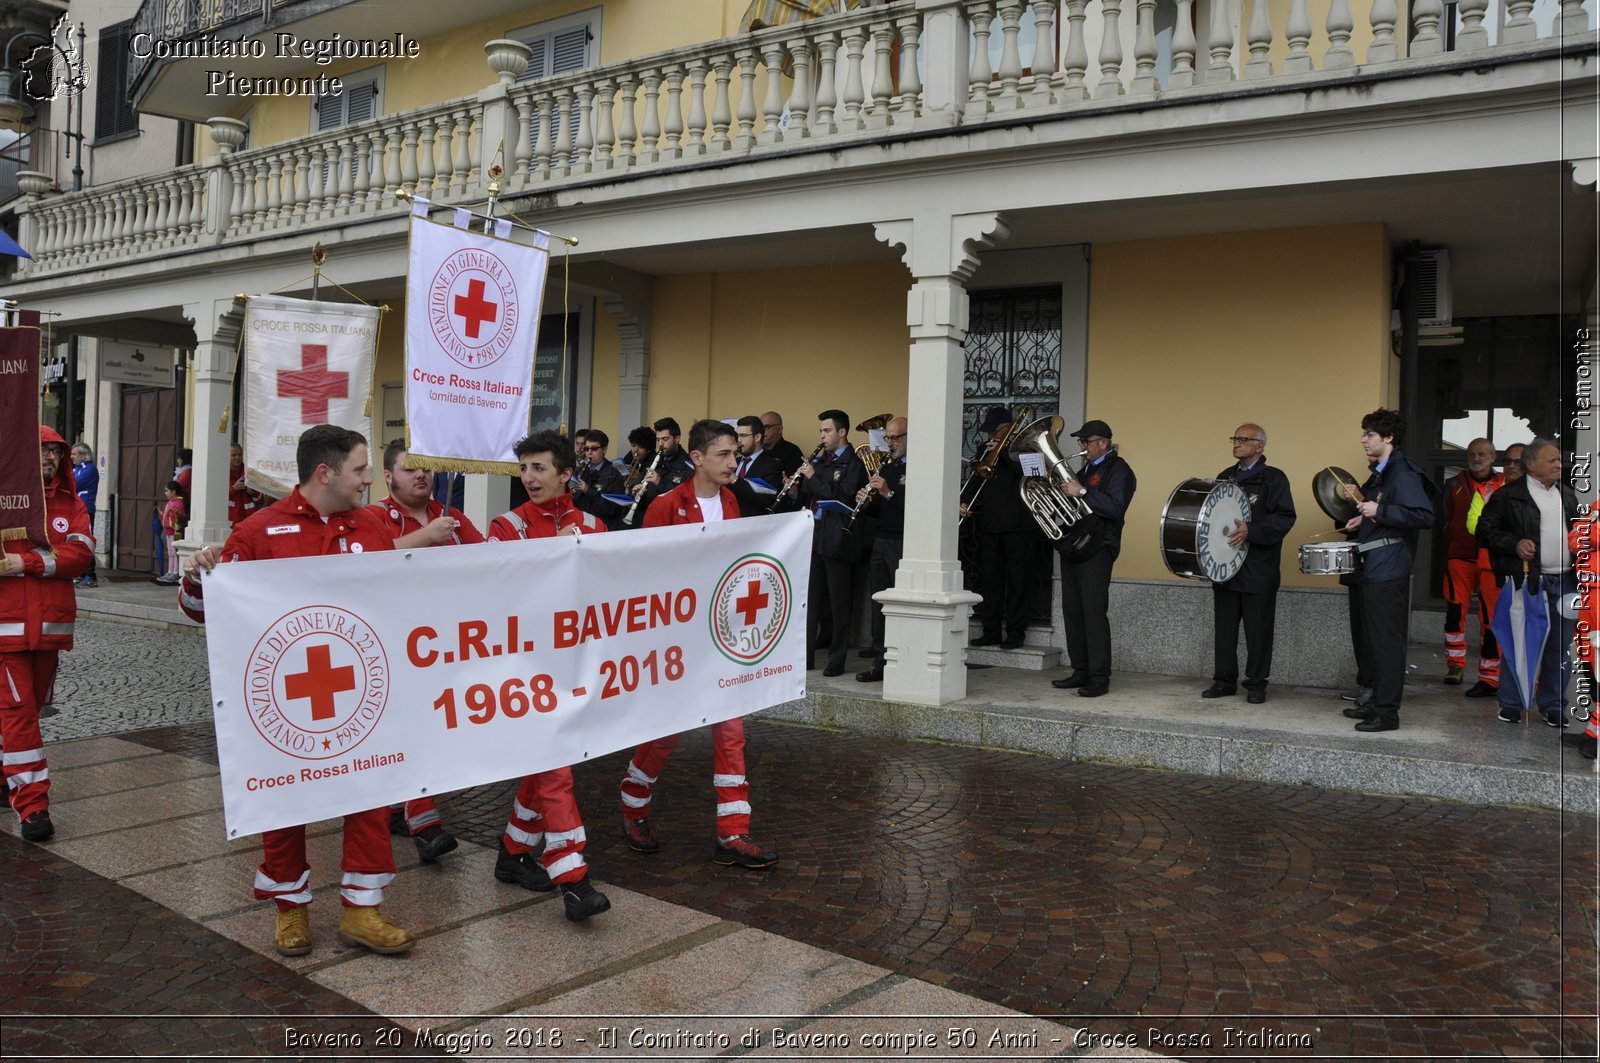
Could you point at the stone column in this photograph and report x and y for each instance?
(945, 46)
(926, 612)
(216, 328)
(631, 315)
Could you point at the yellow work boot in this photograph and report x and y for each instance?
(368, 928)
(293, 935)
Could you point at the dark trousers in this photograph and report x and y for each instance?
(1004, 561)
(1256, 610)
(832, 593)
(886, 555)
(1085, 608)
(1379, 620)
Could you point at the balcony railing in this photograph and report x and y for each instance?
(868, 75)
(176, 20)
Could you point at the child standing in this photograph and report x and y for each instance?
(172, 521)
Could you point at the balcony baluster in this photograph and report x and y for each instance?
(1010, 56)
(979, 73)
(695, 145)
(799, 105)
(1110, 85)
(721, 106)
(772, 109)
(1259, 38)
(882, 78)
(1340, 25)
(1220, 44)
(855, 93)
(605, 139)
(583, 161)
(827, 86)
(1184, 45)
(561, 161)
(628, 131)
(1044, 53)
(672, 124)
(1298, 61)
(650, 144)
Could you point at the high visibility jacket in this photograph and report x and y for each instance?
(679, 506)
(38, 608)
(534, 521)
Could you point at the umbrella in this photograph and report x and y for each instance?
(1522, 624)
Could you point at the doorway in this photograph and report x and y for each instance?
(150, 436)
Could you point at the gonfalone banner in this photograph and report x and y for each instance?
(21, 480)
(305, 363)
(472, 326)
(355, 681)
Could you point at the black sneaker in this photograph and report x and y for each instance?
(1510, 716)
(742, 851)
(640, 833)
(582, 900)
(434, 842)
(397, 821)
(522, 869)
(1480, 689)
(38, 828)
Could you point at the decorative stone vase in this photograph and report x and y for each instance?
(228, 133)
(508, 58)
(33, 183)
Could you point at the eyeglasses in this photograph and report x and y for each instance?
(1092, 439)
(902, 435)
(1243, 439)
(593, 446)
(765, 427)
(1514, 461)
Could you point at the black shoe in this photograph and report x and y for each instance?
(871, 653)
(985, 639)
(397, 822)
(1256, 697)
(1585, 743)
(1480, 689)
(1510, 715)
(741, 850)
(522, 869)
(1555, 719)
(1093, 690)
(1378, 723)
(434, 842)
(871, 675)
(1071, 682)
(1354, 713)
(1218, 690)
(582, 900)
(1012, 642)
(38, 828)
(830, 671)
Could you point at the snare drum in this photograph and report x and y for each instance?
(1194, 529)
(1328, 559)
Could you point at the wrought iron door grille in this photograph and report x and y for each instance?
(1013, 355)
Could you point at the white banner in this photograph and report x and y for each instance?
(472, 326)
(351, 682)
(305, 363)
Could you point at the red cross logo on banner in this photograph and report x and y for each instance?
(313, 384)
(474, 309)
(320, 682)
(754, 600)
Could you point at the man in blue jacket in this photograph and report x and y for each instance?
(87, 477)
(1397, 504)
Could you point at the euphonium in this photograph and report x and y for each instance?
(983, 465)
(1055, 511)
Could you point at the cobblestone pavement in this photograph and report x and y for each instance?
(1121, 898)
(125, 677)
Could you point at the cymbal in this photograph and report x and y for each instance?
(1328, 487)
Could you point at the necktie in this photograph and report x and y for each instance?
(744, 467)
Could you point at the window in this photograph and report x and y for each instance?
(114, 116)
(560, 46)
(357, 103)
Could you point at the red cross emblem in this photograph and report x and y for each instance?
(754, 600)
(313, 384)
(320, 682)
(474, 309)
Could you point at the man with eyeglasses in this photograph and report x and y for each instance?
(1514, 470)
(1397, 503)
(888, 540)
(789, 455)
(596, 477)
(1251, 596)
(757, 476)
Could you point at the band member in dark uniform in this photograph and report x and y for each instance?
(837, 475)
(888, 504)
(596, 477)
(758, 475)
(1251, 596)
(1397, 504)
(1107, 485)
(789, 455)
(675, 467)
(1007, 538)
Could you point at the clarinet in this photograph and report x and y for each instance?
(633, 510)
(788, 485)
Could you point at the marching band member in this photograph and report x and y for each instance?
(758, 463)
(1251, 596)
(1468, 573)
(323, 515)
(705, 498)
(888, 541)
(1398, 504)
(596, 477)
(415, 520)
(1107, 485)
(1007, 537)
(789, 456)
(545, 810)
(836, 476)
(674, 469)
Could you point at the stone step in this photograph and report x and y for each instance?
(1028, 657)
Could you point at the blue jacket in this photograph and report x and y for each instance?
(1109, 489)
(88, 478)
(1405, 507)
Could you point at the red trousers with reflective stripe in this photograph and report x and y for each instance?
(548, 795)
(1461, 579)
(25, 682)
(366, 852)
(727, 741)
(422, 814)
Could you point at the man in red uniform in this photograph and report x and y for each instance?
(703, 498)
(1467, 570)
(416, 519)
(37, 611)
(242, 501)
(545, 811)
(323, 515)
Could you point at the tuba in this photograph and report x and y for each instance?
(1055, 512)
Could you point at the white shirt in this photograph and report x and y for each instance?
(710, 508)
(1552, 543)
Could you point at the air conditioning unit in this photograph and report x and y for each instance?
(1433, 288)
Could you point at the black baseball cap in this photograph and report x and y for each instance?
(1093, 428)
(997, 416)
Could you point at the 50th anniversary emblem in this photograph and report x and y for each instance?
(750, 608)
(317, 682)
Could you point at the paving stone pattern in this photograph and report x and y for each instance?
(124, 677)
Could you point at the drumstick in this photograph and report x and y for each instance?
(1351, 490)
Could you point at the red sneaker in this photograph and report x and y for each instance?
(640, 833)
(742, 851)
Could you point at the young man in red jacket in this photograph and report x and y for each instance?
(416, 519)
(545, 810)
(323, 515)
(37, 612)
(703, 498)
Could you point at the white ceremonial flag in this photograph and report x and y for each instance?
(472, 325)
(305, 363)
(353, 681)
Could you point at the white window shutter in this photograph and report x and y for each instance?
(570, 49)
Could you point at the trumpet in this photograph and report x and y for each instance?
(788, 485)
(633, 510)
(983, 465)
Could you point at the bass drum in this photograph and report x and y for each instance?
(1195, 524)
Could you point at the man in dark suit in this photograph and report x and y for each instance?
(596, 477)
(758, 474)
(1251, 596)
(888, 505)
(789, 455)
(836, 476)
(1007, 538)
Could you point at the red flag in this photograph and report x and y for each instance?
(21, 481)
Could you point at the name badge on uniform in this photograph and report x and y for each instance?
(284, 529)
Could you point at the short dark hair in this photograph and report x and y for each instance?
(840, 419)
(753, 423)
(175, 487)
(1386, 423)
(392, 452)
(187, 456)
(558, 446)
(324, 444)
(701, 433)
(597, 436)
(667, 424)
(642, 436)
(582, 433)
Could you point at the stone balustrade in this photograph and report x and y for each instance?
(867, 75)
